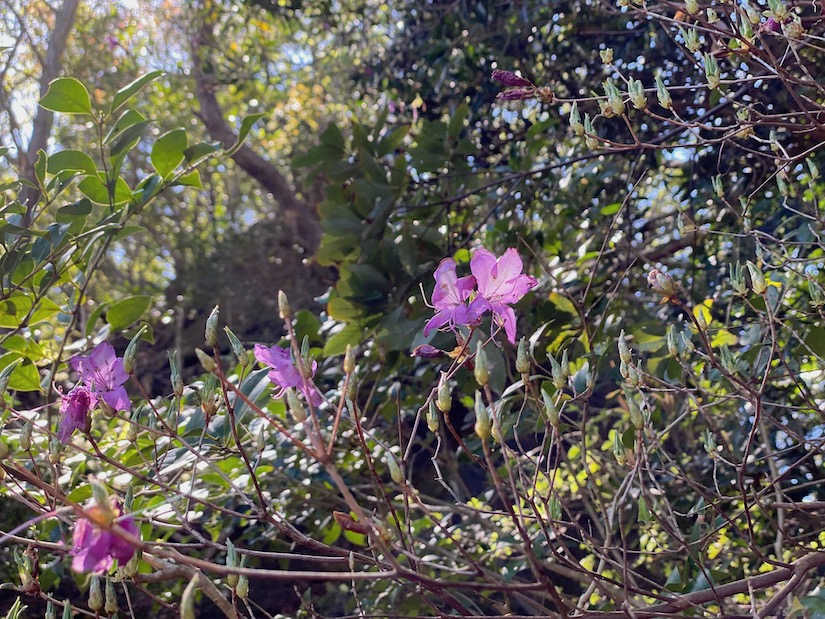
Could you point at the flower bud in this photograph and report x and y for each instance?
(624, 369)
(241, 354)
(95, 595)
(211, 331)
(517, 94)
(754, 17)
(793, 28)
(590, 140)
(692, 40)
(559, 375)
(54, 450)
(758, 283)
(614, 98)
(444, 399)
(508, 78)
(111, 598)
(26, 435)
(284, 310)
(687, 343)
(779, 10)
(177, 381)
(576, 120)
(545, 95)
(522, 358)
(207, 362)
(713, 16)
(131, 351)
(133, 565)
(814, 290)
(606, 55)
(662, 94)
(51, 613)
(718, 188)
(395, 471)
(432, 417)
(636, 417)
(349, 360)
(551, 412)
(482, 426)
(637, 94)
(624, 350)
(67, 610)
(618, 448)
(296, 407)
(692, 6)
(814, 172)
(661, 283)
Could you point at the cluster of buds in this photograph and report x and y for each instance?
(613, 104)
(712, 72)
(637, 93)
(560, 371)
(662, 283)
(691, 39)
(737, 280)
(520, 88)
(628, 371)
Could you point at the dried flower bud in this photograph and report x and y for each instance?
(793, 28)
(516, 94)
(481, 368)
(211, 331)
(482, 426)
(425, 351)
(508, 78)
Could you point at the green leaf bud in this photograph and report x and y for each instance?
(481, 369)
(349, 360)
(590, 140)
(576, 120)
(231, 561)
(67, 610)
(131, 351)
(211, 331)
(241, 354)
(662, 94)
(737, 280)
(432, 417)
(713, 16)
(296, 407)
(559, 375)
(624, 350)
(177, 381)
(692, 6)
(814, 171)
(26, 435)
(51, 612)
(54, 450)
(242, 590)
(606, 55)
(687, 343)
(522, 358)
(758, 283)
(207, 362)
(284, 309)
(551, 412)
(555, 508)
(712, 71)
(637, 94)
(187, 601)
(444, 399)
(482, 425)
(111, 598)
(95, 595)
(672, 347)
(395, 471)
(636, 417)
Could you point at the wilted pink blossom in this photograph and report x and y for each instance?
(427, 352)
(517, 94)
(94, 546)
(500, 284)
(508, 78)
(770, 25)
(284, 373)
(661, 283)
(102, 372)
(74, 411)
(450, 298)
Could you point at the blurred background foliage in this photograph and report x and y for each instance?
(382, 147)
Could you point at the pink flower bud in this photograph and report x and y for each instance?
(508, 78)
(661, 283)
(517, 94)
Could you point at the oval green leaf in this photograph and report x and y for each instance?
(67, 95)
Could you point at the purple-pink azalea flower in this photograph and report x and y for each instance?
(94, 546)
(74, 411)
(284, 373)
(500, 284)
(450, 298)
(102, 372)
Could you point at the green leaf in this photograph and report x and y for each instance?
(40, 165)
(129, 118)
(71, 160)
(25, 376)
(816, 341)
(333, 138)
(95, 189)
(193, 179)
(93, 318)
(67, 95)
(246, 127)
(337, 344)
(198, 151)
(78, 210)
(127, 311)
(131, 89)
(167, 153)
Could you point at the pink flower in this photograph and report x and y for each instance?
(508, 78)
(500, 284)
(284, 373)
(94, 546)
(74, 411)
(450, 298)
(102, 372)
